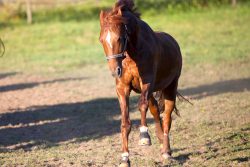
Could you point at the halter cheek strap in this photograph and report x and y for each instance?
(120, 55)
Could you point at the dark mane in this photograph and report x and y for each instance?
(112, 16)
(127, 5)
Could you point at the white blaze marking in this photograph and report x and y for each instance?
(108, 39)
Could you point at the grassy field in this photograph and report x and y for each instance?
(58, 105)
(205, 36)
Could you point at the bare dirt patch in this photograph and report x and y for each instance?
(74, 120)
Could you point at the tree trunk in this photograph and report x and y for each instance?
(28, 12)
(234, 3)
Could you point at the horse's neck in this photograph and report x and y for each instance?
(138, 45)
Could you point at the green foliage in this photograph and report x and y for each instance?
(89, 10)
(62, 14)
(156, 6)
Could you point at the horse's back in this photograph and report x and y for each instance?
(169, 45)
(169, 60)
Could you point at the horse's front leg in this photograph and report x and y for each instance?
(123, 92)
(143, 107)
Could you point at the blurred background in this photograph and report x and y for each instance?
(58, 105)
(63, 34)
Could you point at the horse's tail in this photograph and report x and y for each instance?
(182, 98)
(161, 105)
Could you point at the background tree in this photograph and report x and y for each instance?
(28, 12)
(234, 2)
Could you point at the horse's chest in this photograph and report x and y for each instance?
(132, 72)
(135, 84)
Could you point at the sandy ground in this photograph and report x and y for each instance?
(73, 119)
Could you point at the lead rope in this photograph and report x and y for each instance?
(1, 41)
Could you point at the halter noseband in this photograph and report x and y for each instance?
(120, 55)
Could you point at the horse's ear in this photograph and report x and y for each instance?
(119, 13)
(102, 15)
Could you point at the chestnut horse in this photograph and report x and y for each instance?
(143, 61)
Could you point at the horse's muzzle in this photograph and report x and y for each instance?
(117, 73)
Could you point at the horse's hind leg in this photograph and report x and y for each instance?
(153, 106)
(169, 101)
(167, 120)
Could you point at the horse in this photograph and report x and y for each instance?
(145, 62)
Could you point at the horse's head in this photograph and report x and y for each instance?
(118, 26)
(114, 38)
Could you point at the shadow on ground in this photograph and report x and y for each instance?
(49, 125)
(21, 86)
(6, 75)
(199, 92)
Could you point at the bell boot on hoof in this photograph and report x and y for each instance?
(124, 164)
(168, 160)
(144, 137)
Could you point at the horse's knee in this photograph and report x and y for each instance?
(166, 131)
(143, 104)
(126, 126)
(143, 107)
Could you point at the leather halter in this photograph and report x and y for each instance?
(120, 55)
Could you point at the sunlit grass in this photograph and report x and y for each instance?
(55, 45)
(212, 36)
(209, 36)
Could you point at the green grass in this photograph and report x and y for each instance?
(57, 46)
(211, 35)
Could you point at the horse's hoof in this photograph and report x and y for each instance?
(144, 139)
(124, 163)
(144, 142)
(167, 156)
